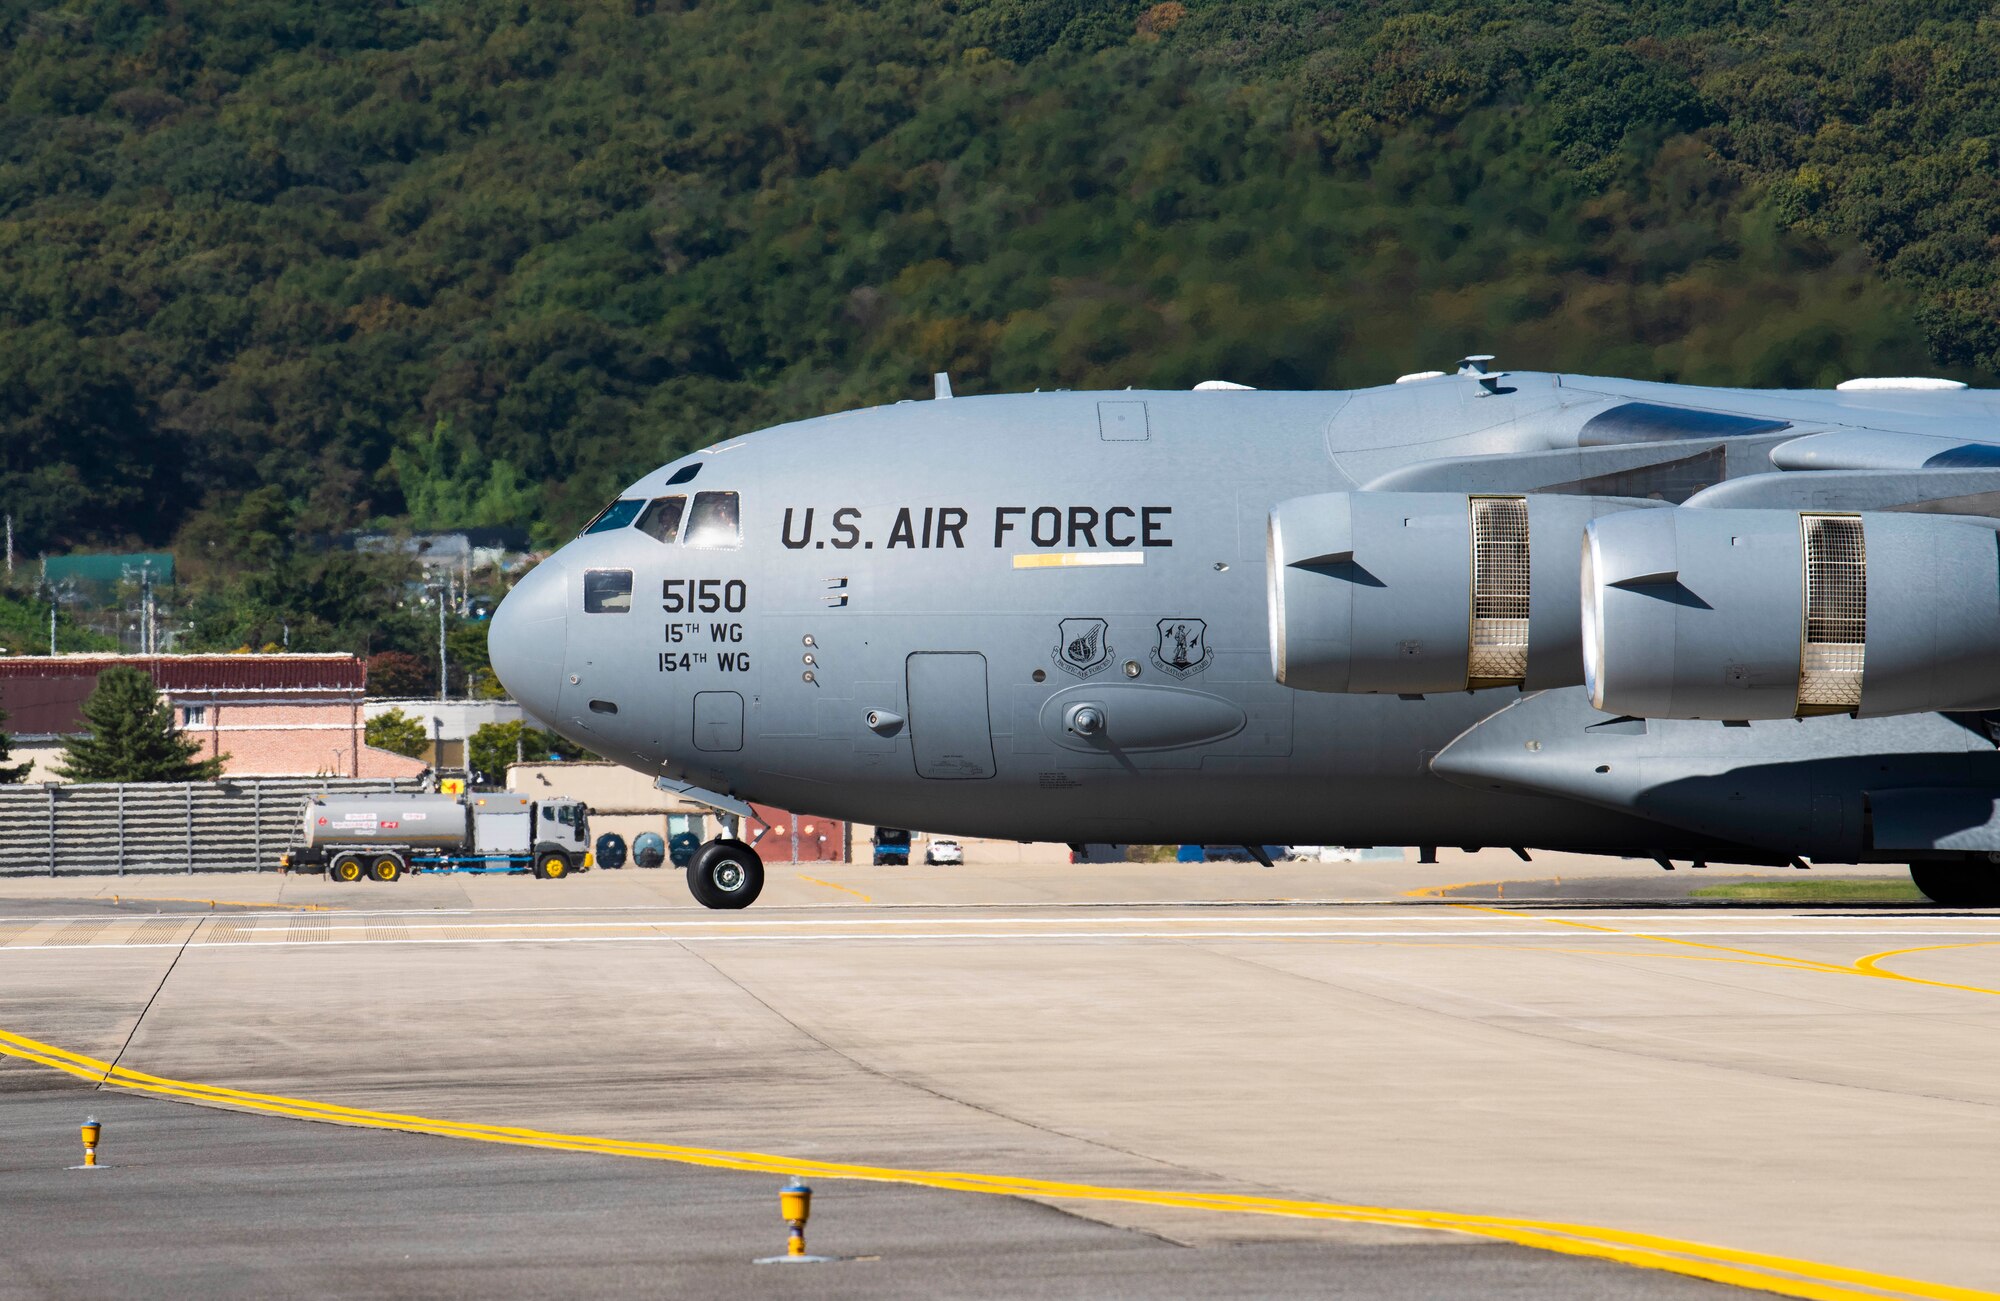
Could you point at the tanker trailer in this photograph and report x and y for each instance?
(386, 836)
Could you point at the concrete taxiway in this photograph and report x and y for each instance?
(1389, 1079)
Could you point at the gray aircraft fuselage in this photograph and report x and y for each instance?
(1045, 617)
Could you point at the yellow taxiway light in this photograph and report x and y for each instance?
(92, 1131)
(795, 1204)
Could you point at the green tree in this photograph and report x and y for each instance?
(446, 484)
(132, 737)
(399, 732)
(16, 773)
(424, 265)
(494, 746)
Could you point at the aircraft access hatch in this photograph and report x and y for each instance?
(951, 732)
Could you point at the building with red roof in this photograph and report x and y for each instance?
(273, 715)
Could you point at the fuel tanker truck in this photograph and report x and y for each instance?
(385, 836)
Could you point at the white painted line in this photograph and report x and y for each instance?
(1441, 926)
(1512, 937)
(277, 909)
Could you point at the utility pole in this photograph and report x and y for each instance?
(56, 596)
(442, 589)
(149, 638)
(10, 546)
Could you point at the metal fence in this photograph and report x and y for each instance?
(225, 826)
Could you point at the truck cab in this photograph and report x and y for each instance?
(553, 833)
(564, 823)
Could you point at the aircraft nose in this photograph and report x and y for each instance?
(525, 641)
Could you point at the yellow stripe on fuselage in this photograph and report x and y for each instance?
(1074, 559)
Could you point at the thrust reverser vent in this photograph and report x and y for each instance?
(1834, 638)
(1499, 591)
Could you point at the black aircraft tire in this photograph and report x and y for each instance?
(725, 874)
(1958, 885)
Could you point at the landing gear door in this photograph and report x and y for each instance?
(951, 731)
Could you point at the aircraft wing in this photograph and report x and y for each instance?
(1672, 443)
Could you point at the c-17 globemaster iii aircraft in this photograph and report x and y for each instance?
(1474, 608)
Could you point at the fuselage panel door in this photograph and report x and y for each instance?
(951, 730)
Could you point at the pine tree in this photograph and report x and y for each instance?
(132, 737)
(19, 772)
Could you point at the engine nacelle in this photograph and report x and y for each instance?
(1412, 592)
(1752, 614)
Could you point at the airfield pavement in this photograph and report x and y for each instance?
(1365, 1080)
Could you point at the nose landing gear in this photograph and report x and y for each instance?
(725, 874)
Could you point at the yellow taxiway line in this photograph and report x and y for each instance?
(813, 880)
(1783, 1275)
(1866, 966)
(231, 903)
(1440, 891)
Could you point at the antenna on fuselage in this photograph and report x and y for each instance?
(941, 385)
(1477, 367)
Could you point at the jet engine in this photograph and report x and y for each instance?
(1756, 614)
(1413, 592)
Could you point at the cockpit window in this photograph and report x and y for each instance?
(615, 516)
(607, 591)
(662, 520)
(714, 524)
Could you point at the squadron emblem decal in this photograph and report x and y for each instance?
(1182, 649)
(1083, 646)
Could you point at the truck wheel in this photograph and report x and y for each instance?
(347, 867)
(552, 865)
(388, 867)
(725, 874)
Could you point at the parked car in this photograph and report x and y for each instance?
(892, 847)
(944, 853)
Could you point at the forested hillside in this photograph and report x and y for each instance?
(270, 267)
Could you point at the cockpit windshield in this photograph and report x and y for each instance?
(615, 516)
(662, 520)
(715, 522)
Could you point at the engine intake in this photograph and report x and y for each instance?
(1754, 614)
(1414, 592)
